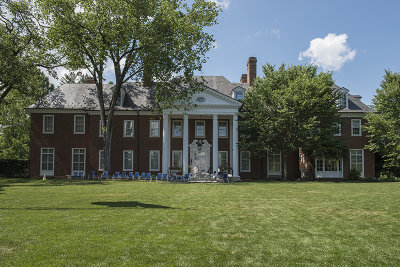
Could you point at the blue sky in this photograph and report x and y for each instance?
(357, 40)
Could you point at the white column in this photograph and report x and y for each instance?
(185, 153)
(215, 143)
(165, 152)
(235, 150)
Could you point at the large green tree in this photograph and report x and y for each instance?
(164, 40)
(290, 109)
(383, 126)
(23, 51)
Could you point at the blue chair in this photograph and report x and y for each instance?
(159, 176)
(143, 176)
(165, 177)
(123, 175)
(136, 175)
(225, 178)
(75, 174)
(130, 175)
(104, 175)
(148, 176)
(116, 175)
(92, 175)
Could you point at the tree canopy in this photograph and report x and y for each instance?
(383, 126)
(291, 108)
(164, 40)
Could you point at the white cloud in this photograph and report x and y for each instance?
(330, 53)
(277, 33)
(222, 3)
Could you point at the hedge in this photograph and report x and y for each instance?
(12, 168)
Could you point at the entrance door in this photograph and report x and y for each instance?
(200, 159)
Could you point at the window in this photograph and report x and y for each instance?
(222, 129)
(128, 160)
(48, 124)
(47, 161)
(328, 165)
(319, 165)
(343, 100)
(154, 160)
(238, 95)
(177, 159)
(128, 128)
(101, 134)
(78, 159)
(339, 129)
(222, 159)
(200, 129)
(101, 160)
(176, 128)
(245, 161)
(274, 163)
(357, 160)
(154, 128)
(79, 124)
(356, 127)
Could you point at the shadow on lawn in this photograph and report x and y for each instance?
(8, 182)
(130, 204)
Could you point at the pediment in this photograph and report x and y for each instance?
(210, 97)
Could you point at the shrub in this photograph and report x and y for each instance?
(387, 177)
(12, 168)
(354, 174)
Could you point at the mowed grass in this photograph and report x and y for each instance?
(117, 223)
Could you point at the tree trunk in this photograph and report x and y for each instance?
(285, 166)
(107, 151)
(306, 168)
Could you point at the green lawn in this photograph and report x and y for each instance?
(70, 223)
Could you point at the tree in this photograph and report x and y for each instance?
(383, 126)
(290, 109)
(22, 51)
(162, 40)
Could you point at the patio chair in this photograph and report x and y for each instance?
(225, 178)
(116, 175)
(136, 175)
(92, 175)
(75, 174)
(122, 176)
(148, 176)
(159, 176)
(165, 177)
(104, 175)
(143, 176)
(130, 176)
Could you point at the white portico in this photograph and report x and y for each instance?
(197, 134)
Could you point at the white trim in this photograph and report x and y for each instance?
(101, 169)
(133, 128)
(84, 124)
(329, 174)
(241, 158)
(362, 160)
(195, 129)
(351, 127)
(84, 160)
(47, 172)
(158, 153)
(280, 164)
(52, 128)
(123, 160)
(181, 161)
(173, 127)
(227, 128)
(158, 122)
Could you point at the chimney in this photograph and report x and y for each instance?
(243, 79)
(89, 80)
(251, 70)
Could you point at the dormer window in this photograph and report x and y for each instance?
(238, 93)
(343, 101)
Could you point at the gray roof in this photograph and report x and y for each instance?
(221, 84)
(355, 105)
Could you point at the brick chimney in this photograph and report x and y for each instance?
(251, 70)
(243, 79)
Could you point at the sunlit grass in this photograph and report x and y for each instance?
(147, 223)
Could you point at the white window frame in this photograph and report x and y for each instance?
(219, 157)
(239, 93)
(280, 164)
(44, 128)
(158, 128)
(158, 153)
(241, 160)
(133, 128)
(354, 120)
(101, 134)
(100, 158)
(173, 128)
(47, 172)
(227, 131)
(362, 160)
(329, 174)
(124, 168)
(76, 116)
(339, 127)
(181, 160)
(204, 129)
(84, 160)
